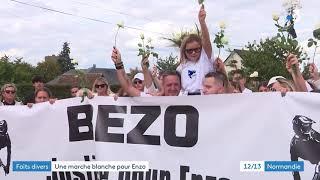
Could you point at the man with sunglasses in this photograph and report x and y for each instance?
(8, 93)
(138, 82)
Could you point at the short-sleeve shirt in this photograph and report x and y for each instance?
(192, 73)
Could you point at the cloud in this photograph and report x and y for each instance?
(34, 33)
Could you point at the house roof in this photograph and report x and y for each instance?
(70, 77)
(240, 52)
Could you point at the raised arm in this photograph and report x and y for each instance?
(146, 72)
(206, 43)
(121, 74)
(297, 77)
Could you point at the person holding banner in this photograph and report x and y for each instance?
(171, 82)
(42, 95)
(101, 87)
(195, 58)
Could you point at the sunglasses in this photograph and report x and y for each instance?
(9, 92)
(190, 51)
(100, 85)
(137, 82)
(273, 89)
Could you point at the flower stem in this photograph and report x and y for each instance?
(314, 53)
(219, 52)
(115, 38)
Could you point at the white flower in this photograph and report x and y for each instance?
(74, 61)
(222, 25)
(149, 40)
(254, 74)
(120, 24)
(224, 40)
(142, 36)
(275, 16)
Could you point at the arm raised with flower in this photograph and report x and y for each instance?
(299, 82)
(206, 42)
(121, 74)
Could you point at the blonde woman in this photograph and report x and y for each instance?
(101, 87)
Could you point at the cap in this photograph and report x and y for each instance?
(138, 76)
(274, 79)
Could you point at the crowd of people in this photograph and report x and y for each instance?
(197, 74)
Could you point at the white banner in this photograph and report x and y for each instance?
(220, 137)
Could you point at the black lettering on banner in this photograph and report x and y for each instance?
(104, 122)
(75, 123)
(136, 135)
(183, 172)
(165, 175)
(137, 176)
(192, 121)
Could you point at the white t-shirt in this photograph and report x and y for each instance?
(192, 73)
(246, 90)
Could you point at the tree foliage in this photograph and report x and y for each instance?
(64, 59)
(15, 71)
(49, 68)
(268, 56)
(167, 64)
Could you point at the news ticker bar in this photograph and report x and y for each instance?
(140, 166)
(271, 166)
(80, 166)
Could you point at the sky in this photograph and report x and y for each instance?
(33, 33)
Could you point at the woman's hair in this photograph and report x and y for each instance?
(188, 39)
(4, 87)
(45, 90)
(286, 84)
(104, 80)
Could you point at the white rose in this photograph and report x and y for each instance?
(120, 24)
(222, 25)
(74, 61)
(142, 36)
(254, 74)
(275, 16)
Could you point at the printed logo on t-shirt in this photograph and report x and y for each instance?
(191, 73)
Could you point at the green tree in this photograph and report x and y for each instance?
(15, 71)
(23, 71)
(268, 57)
(168, 64)
(64, 59)
(49, 68)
